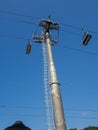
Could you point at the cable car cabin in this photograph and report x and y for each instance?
(28, 49)
(86, 39)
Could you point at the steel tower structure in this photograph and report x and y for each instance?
(54, 85)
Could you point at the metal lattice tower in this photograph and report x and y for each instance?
(48, 102)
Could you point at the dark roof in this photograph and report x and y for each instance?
(18, 125)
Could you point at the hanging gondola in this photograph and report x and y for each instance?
(86, 38)
(28, 49)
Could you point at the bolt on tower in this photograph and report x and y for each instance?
(57, 105)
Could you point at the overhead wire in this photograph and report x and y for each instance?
(79, 50)
(18, 14)
(28, 22)
(82, 117)
(67, 25)
(61, 46)
(43, 116)
(70, 26)
(71, 32)
(78, 28)
(64, 30)
(14, 37)
(41, 108)
(37, 18)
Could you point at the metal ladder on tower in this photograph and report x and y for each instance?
(48, 101)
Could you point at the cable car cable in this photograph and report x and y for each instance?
(77, 49)
(62, 46)
(42, 108)
(70, 26)
(22, 15)
(18, 14)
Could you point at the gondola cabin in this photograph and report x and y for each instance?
(86, 39)
(28, 49)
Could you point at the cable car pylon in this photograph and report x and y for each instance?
(57, 105)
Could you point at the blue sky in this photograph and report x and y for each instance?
(21, 76)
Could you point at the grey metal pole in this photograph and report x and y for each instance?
(58, 111)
